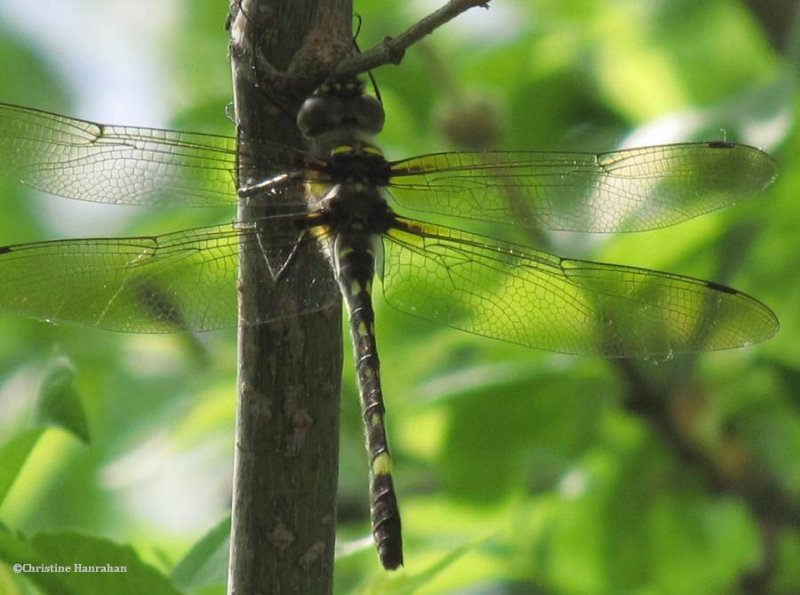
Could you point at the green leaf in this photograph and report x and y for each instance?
(407, 583)
(59, 402)
(69, 563)
(527, 433)
(206, 563)
(99, 566)
(14, 454)
(16, 552)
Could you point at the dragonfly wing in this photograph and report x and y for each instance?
(532, 298)
(126, 165)
(628, 190)
(174, 282)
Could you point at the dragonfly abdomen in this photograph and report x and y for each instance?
(355, 269)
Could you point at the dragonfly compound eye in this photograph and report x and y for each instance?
(338, 107)
(320, 114)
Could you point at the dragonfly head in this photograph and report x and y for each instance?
(339, 112)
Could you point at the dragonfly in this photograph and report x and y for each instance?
(356, 212)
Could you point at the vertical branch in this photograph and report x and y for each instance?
(286, 458)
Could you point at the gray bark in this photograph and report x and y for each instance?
(286, 459)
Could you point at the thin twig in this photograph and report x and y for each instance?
(392, 49)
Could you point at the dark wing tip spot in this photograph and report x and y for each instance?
(720, 144)
(4, 249)
(722, 288)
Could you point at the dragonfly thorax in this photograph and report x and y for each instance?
(359, 162)
(354, 207)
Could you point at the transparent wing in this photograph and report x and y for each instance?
(532, 298)
(126, 165)
(629, 190)
(179, 281)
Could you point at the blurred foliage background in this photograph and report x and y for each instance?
(518, 471)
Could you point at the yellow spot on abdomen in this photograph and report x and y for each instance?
(356, 287)
(382, 465)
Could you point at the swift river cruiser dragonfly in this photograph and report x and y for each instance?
(186, 281)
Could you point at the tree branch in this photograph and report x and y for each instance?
(289, 373)
(392, 50)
